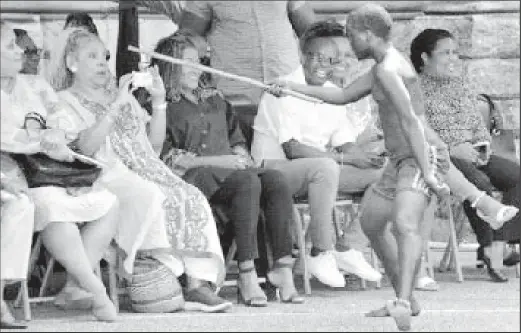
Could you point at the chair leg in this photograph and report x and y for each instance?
(231, 253)
(376, 266)
(454, 245)
(301, 240)
(428, 260)
(48, 272)
(515, 247)
(24, 291)
(363, 284)
(35, 252)
(113, 286)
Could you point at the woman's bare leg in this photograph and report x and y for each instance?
(63, 241)
(96, 237)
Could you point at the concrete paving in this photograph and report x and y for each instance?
(475, 305)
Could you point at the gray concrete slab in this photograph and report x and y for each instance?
(475, 305)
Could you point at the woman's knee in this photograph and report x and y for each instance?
(275, 181)
(244, 183)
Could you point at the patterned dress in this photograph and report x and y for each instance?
(188, 219)
(451, 110)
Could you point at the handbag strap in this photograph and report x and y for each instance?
(494, 126)
(36, 117)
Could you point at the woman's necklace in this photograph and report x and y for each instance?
(100, 96)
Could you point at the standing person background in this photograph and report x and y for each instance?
(264, 35)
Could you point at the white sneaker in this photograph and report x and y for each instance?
(325, 269)
(353, 262)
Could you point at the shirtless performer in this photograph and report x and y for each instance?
(412, 175)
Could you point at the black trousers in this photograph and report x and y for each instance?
(500, 174)
(244, 193)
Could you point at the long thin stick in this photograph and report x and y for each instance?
(221, 73)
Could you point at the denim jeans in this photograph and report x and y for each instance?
(245, 193)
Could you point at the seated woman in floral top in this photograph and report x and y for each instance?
(204, 143)
(452, 110)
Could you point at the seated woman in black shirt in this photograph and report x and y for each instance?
(204, 143)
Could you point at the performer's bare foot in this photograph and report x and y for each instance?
(384, 312)
(400, 310)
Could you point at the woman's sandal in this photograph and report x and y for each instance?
(294, 298)
(400, 310)
(255, 301)
(503, 215)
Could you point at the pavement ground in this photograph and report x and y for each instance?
(475, 305)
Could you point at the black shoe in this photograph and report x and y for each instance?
(204, 299)
(512, 259)
(494, 274)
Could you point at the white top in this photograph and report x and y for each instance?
(325, 125)
(32, 93)
(318, 125)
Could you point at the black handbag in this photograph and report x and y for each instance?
(41, 170)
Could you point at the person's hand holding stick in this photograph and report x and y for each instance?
(222, 73)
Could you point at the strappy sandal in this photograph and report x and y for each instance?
(294, 298)
(255, 301)
(503, 215)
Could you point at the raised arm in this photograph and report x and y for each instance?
(358, 89)
(411, 125)
(301, 16)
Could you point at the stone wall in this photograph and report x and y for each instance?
(488, 33)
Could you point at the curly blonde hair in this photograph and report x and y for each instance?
(69, 41)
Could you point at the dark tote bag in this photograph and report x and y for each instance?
(41, 170)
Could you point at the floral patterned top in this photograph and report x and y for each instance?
(451, 110)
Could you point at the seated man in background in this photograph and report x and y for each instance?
(289, 128)
(325, 130)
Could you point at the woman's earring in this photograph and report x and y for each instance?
(73, 69)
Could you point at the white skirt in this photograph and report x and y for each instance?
(55, 204)
(16, 234)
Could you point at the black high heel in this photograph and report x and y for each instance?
(255, 301)
(494, 274)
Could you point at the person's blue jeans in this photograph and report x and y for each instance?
(499, 174)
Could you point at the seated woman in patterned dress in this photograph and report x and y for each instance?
(158, 209)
